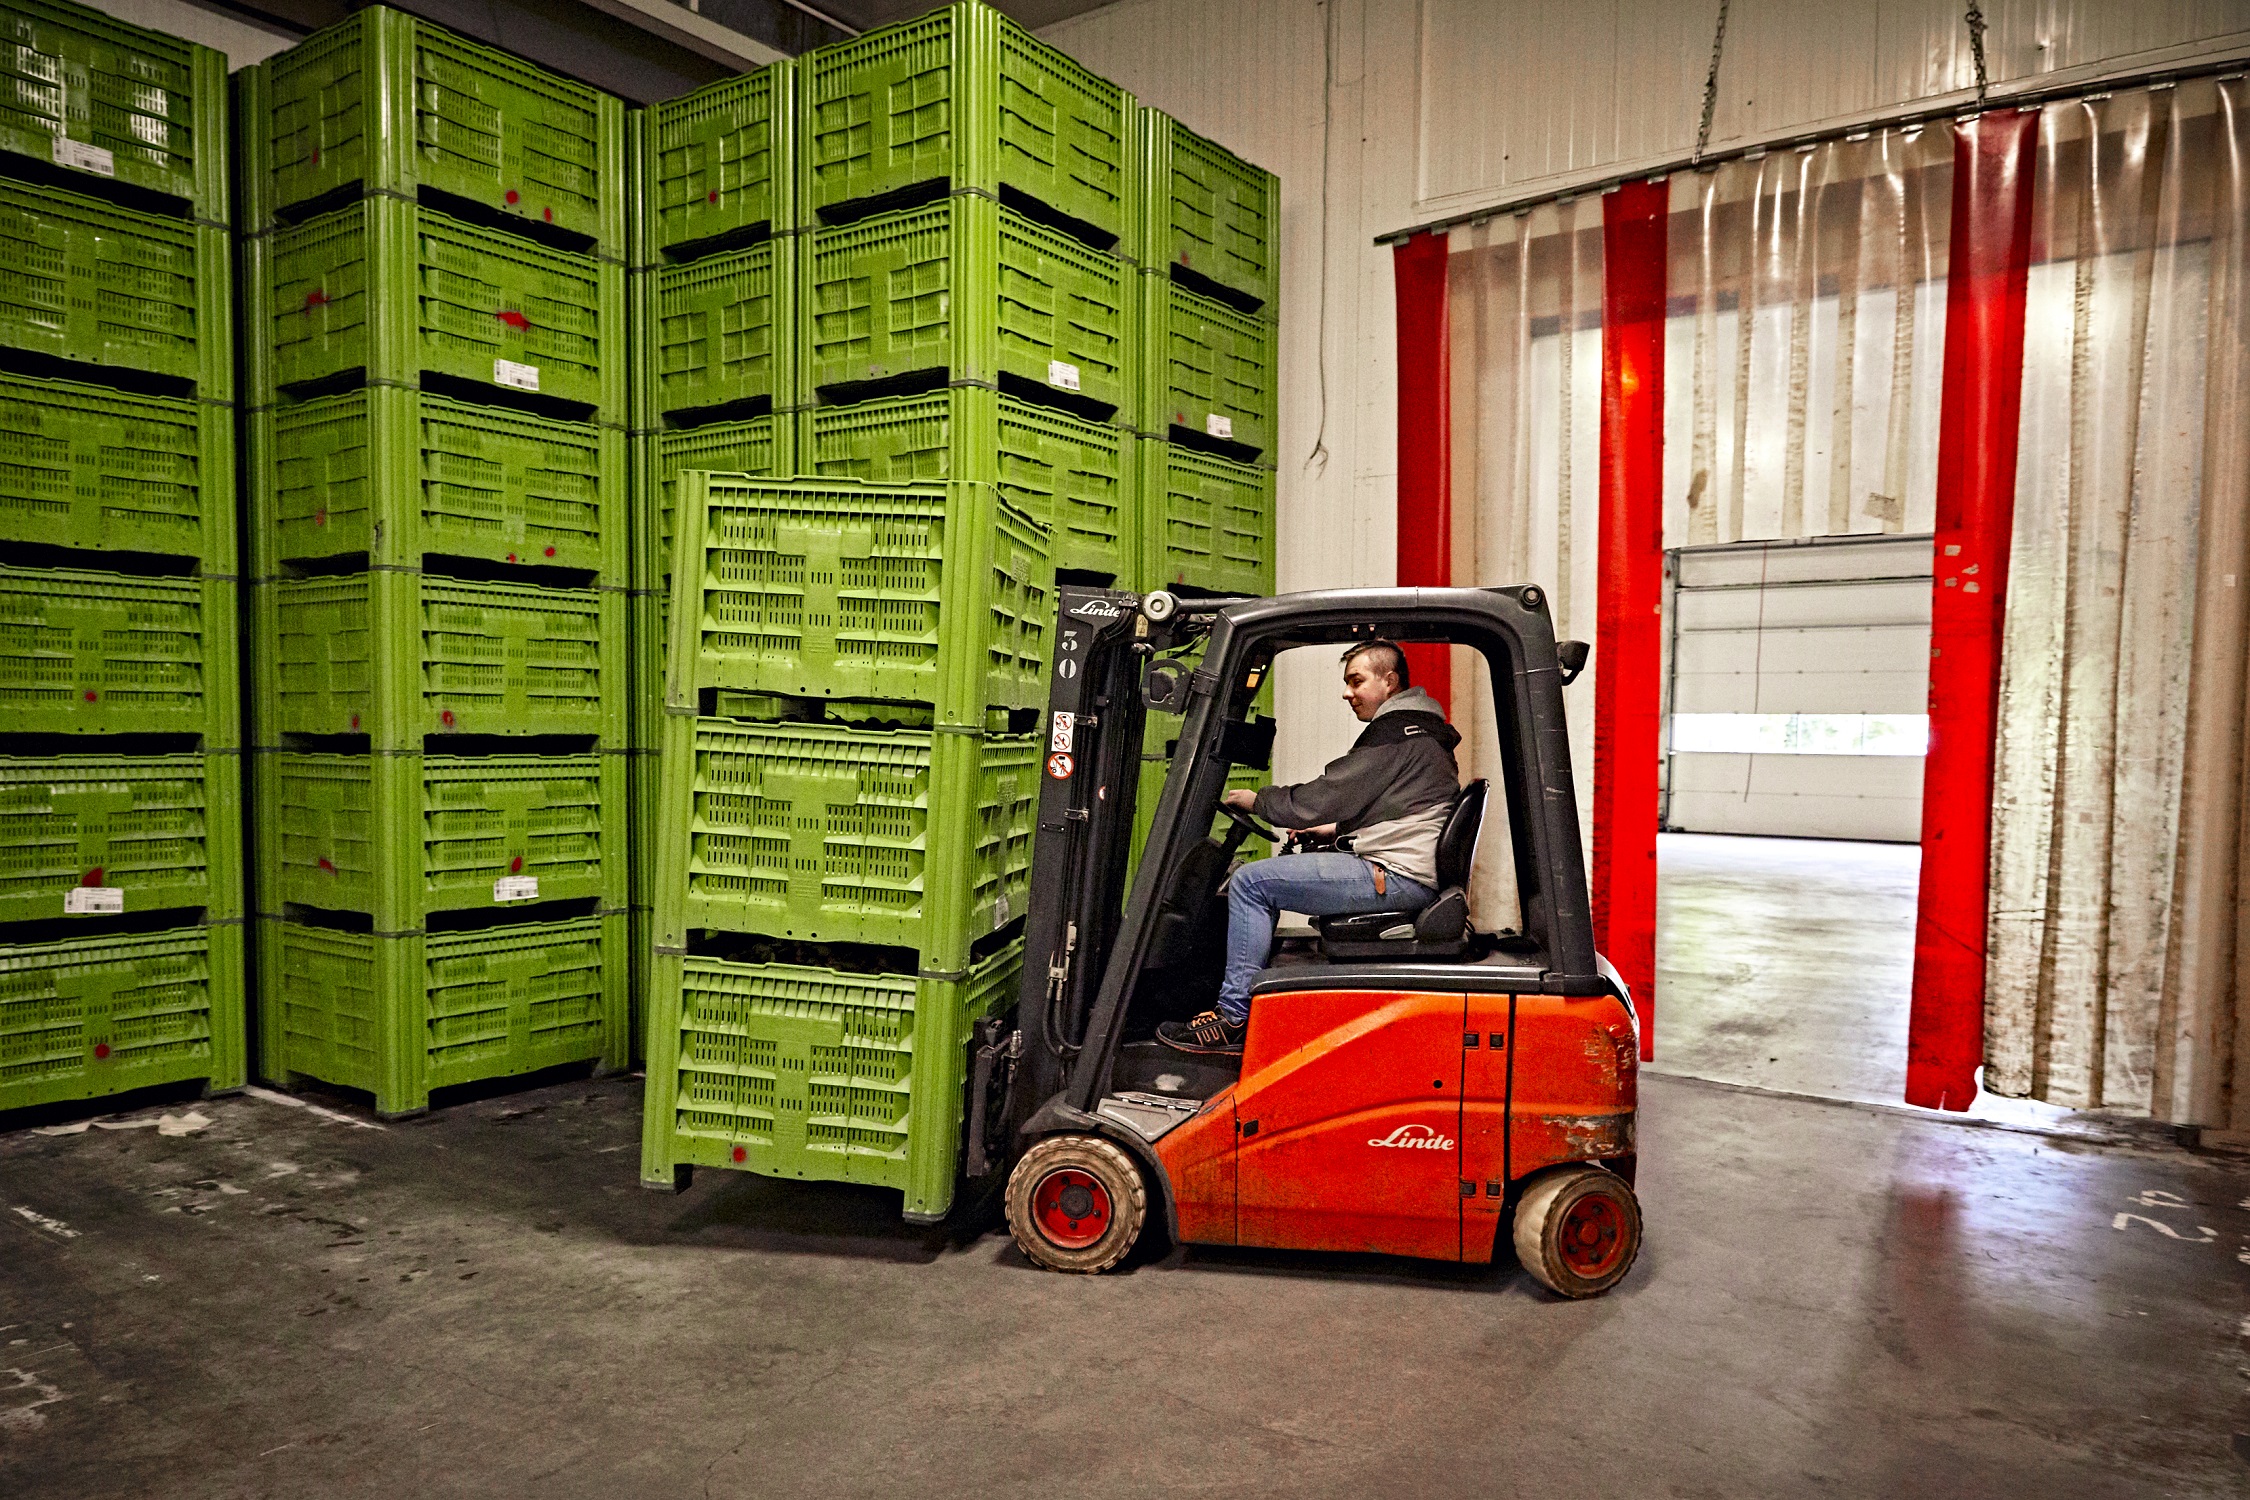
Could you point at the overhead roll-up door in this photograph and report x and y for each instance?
(1800, 683)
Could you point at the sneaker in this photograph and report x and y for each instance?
(1209, 1032)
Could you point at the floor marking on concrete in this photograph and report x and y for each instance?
(2208, 1233)
(54, 1227)
(2158, 1198)
(310, 1108)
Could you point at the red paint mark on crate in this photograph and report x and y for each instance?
(515, 320)
(740, 1154)
(513, 196)
(93, 877)
(101, 1051)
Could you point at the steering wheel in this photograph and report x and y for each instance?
(1248, 824)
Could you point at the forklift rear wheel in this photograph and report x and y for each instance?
(1076, 1203)
(1578, 1230)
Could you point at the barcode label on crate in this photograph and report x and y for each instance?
(1060, 736)
(93, 901)
(1062, 376)
(1217, 426)
(522, 377)
(516, 888)
(85, 158)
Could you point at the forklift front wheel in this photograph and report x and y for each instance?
(1578, 1230)
(1076, 1203)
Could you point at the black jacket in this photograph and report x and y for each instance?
(1391, 792)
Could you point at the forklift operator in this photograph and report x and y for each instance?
(1385, 803)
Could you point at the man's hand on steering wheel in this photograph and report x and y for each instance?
(1236, 805)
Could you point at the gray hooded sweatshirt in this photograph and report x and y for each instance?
(1390, 795)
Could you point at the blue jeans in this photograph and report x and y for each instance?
(1319, 885)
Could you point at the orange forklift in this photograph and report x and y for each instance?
(1409, 1084)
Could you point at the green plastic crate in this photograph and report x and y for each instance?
(155, 832)
(764, 447)
(117, 102)
(390, 103)
(85, 466)
(397, 655)
(964, 97)
(396, 475)
(400, 836)
(102, 285)
(719, 164)
(967, 290)
(392, 289)
(1205, 522)
(1072, 475)
(720, 332)
(1206, 216)
(1209, 373)
(816, 1074)
(401, 1015)
(93, 1016)
(827, 834)
(102, 653)
(931, 594)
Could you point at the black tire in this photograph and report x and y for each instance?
(1578, 1230)
(1076, 1203)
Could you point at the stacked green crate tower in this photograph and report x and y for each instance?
(1207, 237)
(440, 547)
(850, 757)
(714, 370)
(121, 874)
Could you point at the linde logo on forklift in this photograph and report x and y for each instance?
(1415, 1138)
(1099, 609)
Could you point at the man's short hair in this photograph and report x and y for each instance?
(1388, 658)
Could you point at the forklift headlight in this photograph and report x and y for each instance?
(1159, 606)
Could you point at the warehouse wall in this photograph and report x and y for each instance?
(1379, 114)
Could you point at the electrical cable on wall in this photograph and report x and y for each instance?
(1316, 461)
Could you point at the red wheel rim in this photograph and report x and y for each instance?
(1592, 1237)
(1071, 1208)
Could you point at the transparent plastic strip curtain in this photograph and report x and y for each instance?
(1803, 342)
(2114, 969)
(1524, 294)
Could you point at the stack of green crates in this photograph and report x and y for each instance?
(849, 776)
(967, 310)
(121, 871)
(894, 379)
(1206, 388)
(1206, 384)
(714, 372)
(441, 554)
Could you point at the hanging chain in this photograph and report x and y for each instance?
(1711, 86)
(1976, 47)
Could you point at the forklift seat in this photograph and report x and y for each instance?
(1439, 930)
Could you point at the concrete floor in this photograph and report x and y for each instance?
(1834, 1300)
(1789, 964)
(247, 1297)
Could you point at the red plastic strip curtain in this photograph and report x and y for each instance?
(1628, 634)
(1425, 460)
(1976, 483)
